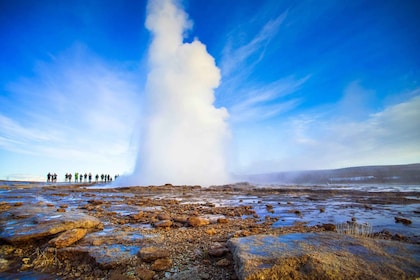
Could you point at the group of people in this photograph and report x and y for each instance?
(51, 178)
(79, 178)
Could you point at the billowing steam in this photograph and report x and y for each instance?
(184, 135)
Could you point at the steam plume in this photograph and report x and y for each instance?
(184, 134)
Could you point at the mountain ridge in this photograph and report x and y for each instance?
(404, 173)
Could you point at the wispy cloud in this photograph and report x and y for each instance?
(246, 99)
(251, 51)
(76, 106)
(267, 101)
(317, 140)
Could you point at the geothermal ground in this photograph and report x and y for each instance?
(182, 232)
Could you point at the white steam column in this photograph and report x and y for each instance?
(184, 135)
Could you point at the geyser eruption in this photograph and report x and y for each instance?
(184, 135)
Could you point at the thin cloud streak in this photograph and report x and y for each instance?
(268, 101)
(234, 59)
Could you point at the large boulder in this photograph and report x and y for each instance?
(323, 256)
(36, 223)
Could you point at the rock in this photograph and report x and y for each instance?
(180, 219)
(98, 242)
(402, 220)
(163, 224)
(329, 227)
(198, 221)
(138, 216)
(325, 255)
(4, 264)
(6, 250)
(399, 237)
(35, 223)
(144, 273)
(68, 237)
(116, 274)
(106, 256)
(149, 254)
(211, 231)
(222, 220)
(218, 251)
(161, 264)
(224, 262)
(164, 216)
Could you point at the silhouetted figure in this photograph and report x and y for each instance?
(97, 178)
(48, 177)
(70, 177)
(54, 177)
(67, 177)
(81, 178)
(86, 177)
(102, 178)
(90, 177)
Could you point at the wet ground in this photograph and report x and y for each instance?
(130, 214)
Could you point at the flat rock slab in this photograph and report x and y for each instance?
(111, 247)
(106, 256)
(35, 224)
(323, 256)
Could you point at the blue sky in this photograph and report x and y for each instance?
(307, 84)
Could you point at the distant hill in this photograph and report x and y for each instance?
(407, 174)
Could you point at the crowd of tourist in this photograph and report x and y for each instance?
(51, 177)
(82, 178)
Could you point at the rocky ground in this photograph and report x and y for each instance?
(156, 232)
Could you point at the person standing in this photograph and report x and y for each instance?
(90, 177)
(76, 177)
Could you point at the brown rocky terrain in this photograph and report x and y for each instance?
(156, 232)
